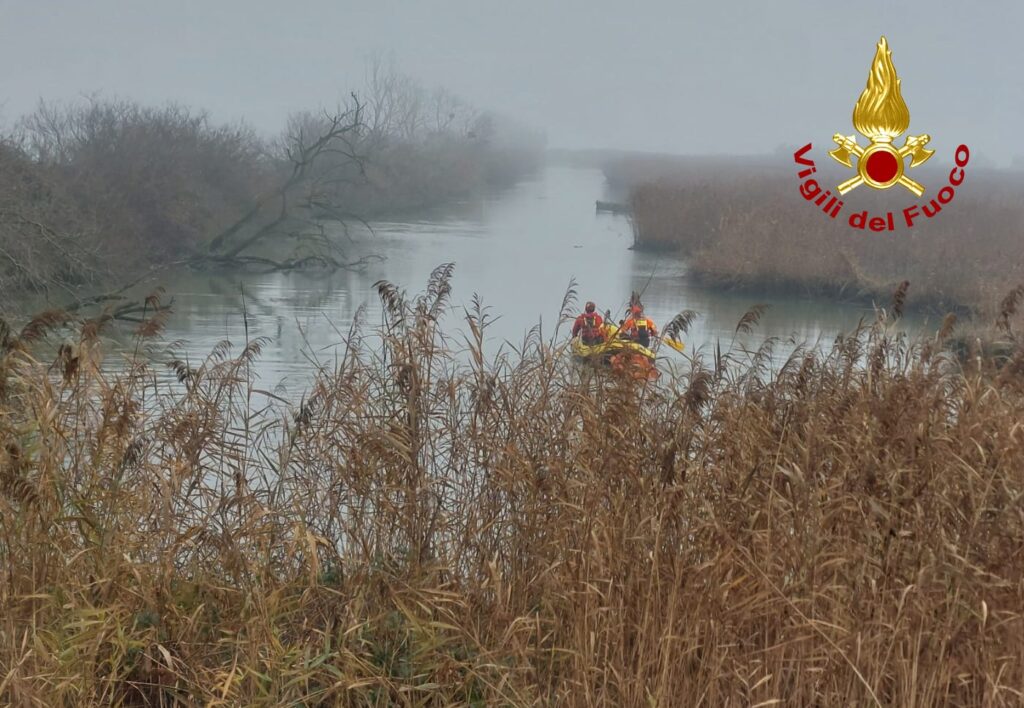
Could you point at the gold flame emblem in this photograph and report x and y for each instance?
(881, 115)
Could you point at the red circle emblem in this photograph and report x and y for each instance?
(882, 166)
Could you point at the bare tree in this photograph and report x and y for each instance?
(320, 153)
(44, 243)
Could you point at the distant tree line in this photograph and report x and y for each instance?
(106, 187)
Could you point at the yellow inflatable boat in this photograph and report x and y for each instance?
(624, 357)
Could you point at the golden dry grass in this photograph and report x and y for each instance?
(433, 525)
(748, 228)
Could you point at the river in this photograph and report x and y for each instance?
(517, 250)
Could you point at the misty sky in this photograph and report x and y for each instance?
(712, 77)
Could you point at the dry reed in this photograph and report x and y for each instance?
(748, 228)
(438, 525)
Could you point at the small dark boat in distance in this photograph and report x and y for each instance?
(613, 207)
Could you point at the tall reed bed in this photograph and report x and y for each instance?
(436, 523)
(751, 229)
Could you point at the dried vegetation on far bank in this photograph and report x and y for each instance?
(746, 227)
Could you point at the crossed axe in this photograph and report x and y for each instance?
(914, 146)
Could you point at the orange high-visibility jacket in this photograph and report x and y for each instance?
(632, 326)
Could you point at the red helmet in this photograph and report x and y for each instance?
(637, 310)
(591, 307)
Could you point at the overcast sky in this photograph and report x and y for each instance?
(685, 77)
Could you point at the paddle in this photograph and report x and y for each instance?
(678, 346)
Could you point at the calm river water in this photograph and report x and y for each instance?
(517, 250)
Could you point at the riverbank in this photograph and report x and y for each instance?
(748, 229)
(442, 525)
